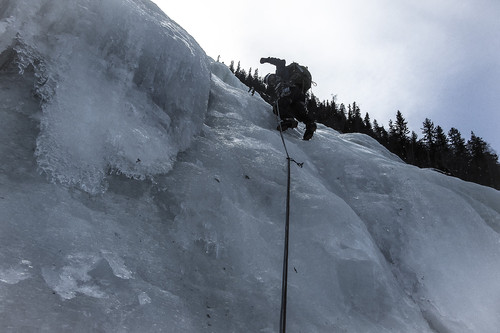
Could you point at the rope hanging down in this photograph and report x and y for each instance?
(284, 281)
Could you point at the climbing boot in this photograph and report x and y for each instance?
(310, 128)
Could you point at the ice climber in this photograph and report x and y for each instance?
(287, 89)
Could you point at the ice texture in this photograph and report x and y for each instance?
(123, 88)
(142, 189)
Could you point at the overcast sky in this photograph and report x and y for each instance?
(427, 58)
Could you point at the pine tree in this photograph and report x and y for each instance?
(381, 134)
(338, 114)
(242, 75)
(459, 155)
(428, 132)
(350, 117)
(398, 136)
(249, 78)
(237, 72)
(456, 142)
(477, 150)
(256, 75)
(357, 121)
(441, 149)
(401, 127)
(391, 128)
(428, 141)
(343, 113)
(413, 150)
(367, 125)
(313, 105)
(376, 129)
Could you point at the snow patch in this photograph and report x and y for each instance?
(144, 298)
(117, 265)
(17, 273)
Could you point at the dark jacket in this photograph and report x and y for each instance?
(281, 69)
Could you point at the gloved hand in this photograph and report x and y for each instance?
(284, 91)
(263, 60)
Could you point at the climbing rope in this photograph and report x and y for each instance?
(284, 281)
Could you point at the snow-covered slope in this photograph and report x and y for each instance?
(142, 189)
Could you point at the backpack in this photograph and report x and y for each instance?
(299, 75)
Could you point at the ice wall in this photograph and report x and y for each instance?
(196, 246)
(123, 88)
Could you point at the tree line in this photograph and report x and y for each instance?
(472, 160)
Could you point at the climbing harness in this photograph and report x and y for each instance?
(284, 281)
